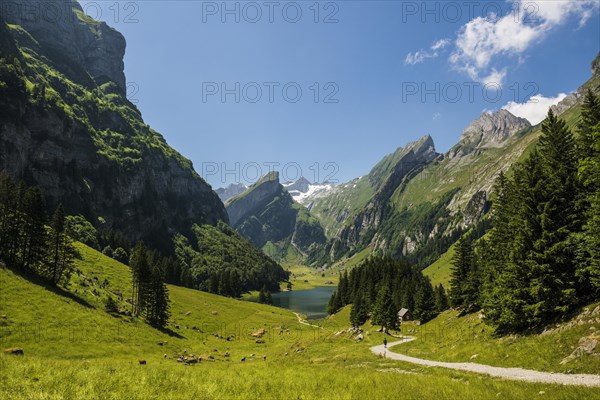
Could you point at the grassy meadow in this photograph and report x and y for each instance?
(74, 349)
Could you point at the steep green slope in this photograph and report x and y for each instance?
(67, 126)
(219, 260)
(439, 271)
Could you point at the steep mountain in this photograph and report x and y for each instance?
(304, 192)
(416, 203)
(267, 214)
(490, 130)
(230, 191)
(67, 126)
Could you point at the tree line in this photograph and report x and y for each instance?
(216, 259)
(29, 240)
(541, 259)
(381, 286)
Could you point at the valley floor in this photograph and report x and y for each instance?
(74, 349)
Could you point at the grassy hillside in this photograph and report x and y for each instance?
(74, 349)
(439, 271)
(451, 337)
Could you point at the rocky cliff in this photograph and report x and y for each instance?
(490, 130)
(407, 163)
(87, 51)
(66, 126)
(266, 213)
(230, 191)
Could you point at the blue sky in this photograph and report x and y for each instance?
(374, 57)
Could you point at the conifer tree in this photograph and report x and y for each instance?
(62, 252)
(462, 264)
(384, 311)
(441, 299)
(358, 313)
(34, 230)
(425, 307)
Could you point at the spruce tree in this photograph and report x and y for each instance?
(590, 117)
(425, 307)
(441, 299)
(358, 313)
(34, 231)
(552, 264)
(262, 295)
(62, 252)
(157, 302)
(384, 311)
(462, 264)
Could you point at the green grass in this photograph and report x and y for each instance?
(451, 337)
(439, 271)
(74, 350)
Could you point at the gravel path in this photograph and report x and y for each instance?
(304, 322)
(517, 374)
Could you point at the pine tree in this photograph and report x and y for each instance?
(589, 173)
(441, 299)
(140, 268)
(552, 264)
(334, 304)
(506, 275)
(590, 117)
(425, 307)
(34, 230)
(262, 295)
(62, 251)
(157, 302)
(384, 311)
(358, 313)
(463, 262)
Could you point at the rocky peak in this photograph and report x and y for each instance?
(87, 51)
(491, 129)
(423, 148)
(302, 185)
(596, 65)
(255, 198)
(230, 191)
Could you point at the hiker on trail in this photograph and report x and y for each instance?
(385, 343)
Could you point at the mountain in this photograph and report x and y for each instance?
(304, 192)
(67, 127)
(230, 191)
(490, 130)
(415, 203)
(267, 215)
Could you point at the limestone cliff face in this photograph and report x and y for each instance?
(410, 161)
(490, 130)
(254, 200)
(79, 46)
(71, 131)
(266, 212)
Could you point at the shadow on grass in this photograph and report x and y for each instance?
(37, 280)
(169, 332)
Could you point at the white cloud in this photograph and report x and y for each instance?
(535, 109)
(440, 44)
(481, 40)
(421, 55)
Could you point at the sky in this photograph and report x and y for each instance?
(325, 89)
